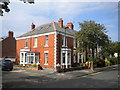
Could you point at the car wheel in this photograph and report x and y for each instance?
(11, 69)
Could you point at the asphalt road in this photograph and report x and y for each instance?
(104, 79)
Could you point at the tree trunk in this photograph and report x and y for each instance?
(96, 51)
(92, 59)
(86, 54)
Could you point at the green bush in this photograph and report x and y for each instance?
(113, 60)
(34, 65)
(20, 65)
(75, 65)
(99, 62)
(29, 64)
(81, 65)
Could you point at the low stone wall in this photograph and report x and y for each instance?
(27, 68)
(71, 69)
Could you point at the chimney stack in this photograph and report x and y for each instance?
(32, 26)
(10, 34)
(60, 22)
(70, 25)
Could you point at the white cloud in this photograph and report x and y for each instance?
(76, 0)
(22, 15)
(70, 1)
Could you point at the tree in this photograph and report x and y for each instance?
(118, 50)
(110, 49)
(91, 36)
(4, 5)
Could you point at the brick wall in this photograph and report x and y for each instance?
(59, 46)
(9, 47)
(20, 44)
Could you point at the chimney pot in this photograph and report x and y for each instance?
(70, 25)
(60, 22)
(32, 26)
(10, 34)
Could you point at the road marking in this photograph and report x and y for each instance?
(95, 73)
(89, 74)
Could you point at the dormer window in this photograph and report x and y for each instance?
(26, 43)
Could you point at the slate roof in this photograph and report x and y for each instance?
(46, 28)
(2, 38)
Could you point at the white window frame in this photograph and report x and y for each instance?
(35, 42)
(63, 41)
(46, 40)
(69, 58)
(74, 43)
(80, 56)
(45, 52)
(74, 58)
(29, 55)
(21, 57)
(65, 51)
(26, 43)
(62, 57)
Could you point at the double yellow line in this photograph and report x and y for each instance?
(90, 74)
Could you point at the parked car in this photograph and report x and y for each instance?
(6, 64)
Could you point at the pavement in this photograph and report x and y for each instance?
(84, 72)
(65, 75)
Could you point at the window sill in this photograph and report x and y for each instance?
(45, 64)
(67, 64)
(46, 46)
(64, 46)
(35, 47)
(26, 47)
(63, 64)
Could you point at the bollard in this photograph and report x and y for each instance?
(58, 67)
(38, 66)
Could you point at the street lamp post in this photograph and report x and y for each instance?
(65, 48)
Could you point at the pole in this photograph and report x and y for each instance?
(65, 49)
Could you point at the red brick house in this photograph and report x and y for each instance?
(48, 44)
(8, 46)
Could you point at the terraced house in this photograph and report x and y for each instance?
(48, 44)
(8, 47)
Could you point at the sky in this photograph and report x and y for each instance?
(21, 15)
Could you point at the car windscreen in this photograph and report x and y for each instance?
(6, 61)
